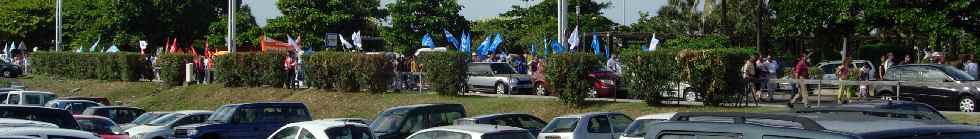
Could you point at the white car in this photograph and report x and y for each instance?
(163, 127)
(48, 133)
(473, 131)
(324, 129)
(596, 125)
(638, 129)
(8, 122)
(28, 98)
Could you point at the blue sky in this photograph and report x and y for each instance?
(479, 9)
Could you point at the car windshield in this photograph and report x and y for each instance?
(561, 125)
(502, 68)
(223, 114)
(958, 75)
(508, 135)
(968, 135)
(166, 119)
(147, 118)
(639, 127)
(389, 121)
(100, 126)
(349, 132)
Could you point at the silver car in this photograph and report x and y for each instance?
(596, 125)
(499, 78)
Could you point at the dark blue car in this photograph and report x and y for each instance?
(519, 120)
(245, 121)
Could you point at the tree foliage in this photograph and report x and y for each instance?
(27, 20)
(314, 18)
(411, 19)
(531, 25)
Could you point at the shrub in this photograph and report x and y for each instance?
(715, 73)
(102, 66)
(251, 69)
(704, 42)
(445, 71)
(348, 71)
(569, 73)
(647, 74)
(172, 67)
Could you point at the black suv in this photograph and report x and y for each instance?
(245, 121)
(961, 94)
(399, 122)
(805, 126)
(59, 117)
(898, 105)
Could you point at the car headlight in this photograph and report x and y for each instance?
(609, 82)
(191, 132)
(513, 81)
(137, 135)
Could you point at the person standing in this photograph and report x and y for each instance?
(801, 72)
(971, 66)
(749, 74)
(289, 65)
(843, 72)
(908, 59)
(613, 65)
(773, 68)
(864, 76)
(762, 71)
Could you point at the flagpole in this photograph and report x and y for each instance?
(57, 32)
(562, 20)
(230, 39)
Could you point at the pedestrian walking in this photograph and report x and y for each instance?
(749, 74)
(800, 72)
(971, 66)
(843, 72)
(773, 68)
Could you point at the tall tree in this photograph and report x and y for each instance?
(531, 25)
(411, 19)
(27, 20)
(247, 29)
(312, 19)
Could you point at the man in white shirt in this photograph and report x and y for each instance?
(772, 67)
(970, 66)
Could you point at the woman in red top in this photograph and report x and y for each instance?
(289, 65)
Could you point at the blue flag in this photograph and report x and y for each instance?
(555, 46)
(595, 44)
(451, 39)
(533, 51)
(545, 48)
(465, 46)
(427, 41)
(497, 40)
(484, 46)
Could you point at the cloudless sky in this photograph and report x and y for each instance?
(480, 9)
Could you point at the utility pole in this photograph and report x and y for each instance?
(230, 39)
(758, 28)
(57, 27)
(562, 20)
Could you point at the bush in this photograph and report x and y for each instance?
(251, 69)
(102, 66)
(172, 67)
(715, 73)
(348, 71)
(445, 71)
(704, 42)
(569, 73)
(647, 74)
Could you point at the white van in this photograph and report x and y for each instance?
(27, 98)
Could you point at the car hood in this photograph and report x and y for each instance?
(197, 126)
(146, 129)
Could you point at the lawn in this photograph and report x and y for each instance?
(329, 104)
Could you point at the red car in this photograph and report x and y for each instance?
(100, 125)
(604, 86)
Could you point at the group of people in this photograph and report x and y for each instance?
(758, 70)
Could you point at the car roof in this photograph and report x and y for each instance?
(6, 106)
(115, 107)
(479, 128)
(590, 114)
(496, 115)
(191, 112)
(664, 116)
(73, 100)
(11, 122)
(321, 125)
(424, 105)
(269, 103)
(35, 92)
(81, 97)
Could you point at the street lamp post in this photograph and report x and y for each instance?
(57, 27)
(562, 20)
(230, 39)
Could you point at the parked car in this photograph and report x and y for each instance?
(9, 70)
(48, 133)
(349, 120)
(828, 69)
(961, 96)
(519, 120)
(118, 114)
(75, 106)
(14, 123)
(808, 125)
(59, 117)
(324, 129)
(4, 91)
(500, 78)
(245, 121)
(638, 129)
(29, 98)
(100, 125)
(101, 100)
(163, 127)
(399, 122)
(596, 125)
(144, 119)
(605, 85)
(475, 131)
(911, 106)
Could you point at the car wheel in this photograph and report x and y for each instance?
(501, 89)
(967, 104)
(540, 90)
(593, 93)
(690, 96)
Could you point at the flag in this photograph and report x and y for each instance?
(112, 49)
(556, 46)
(344, 42)
(653, 43)
(465, 43)
(497, 40)
(607, 52)
(595, 44)
(298, 44)
(356, 38)
(482, 50)
(5, 45)
(450, 38)
(573, 39)
(427, 41)
(173, 46)
(96, 44)
(533, 52)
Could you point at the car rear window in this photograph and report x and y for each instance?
(639, 127)
(508, 135)
(58, 117)
(560, 125)
(349, 133)
(98, 126)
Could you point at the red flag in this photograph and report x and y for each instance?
(207, 51)
(173, 46)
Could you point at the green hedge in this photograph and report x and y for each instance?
(647, 73)
(715, 73)
(569, 73)
(172, 67)
(349, 72)
(111, 66)
(251, 69)
(445, 71)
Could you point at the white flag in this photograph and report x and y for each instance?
(653, 43)
(356, 38)
(143, 45)
(344, 42)
(573, 39)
